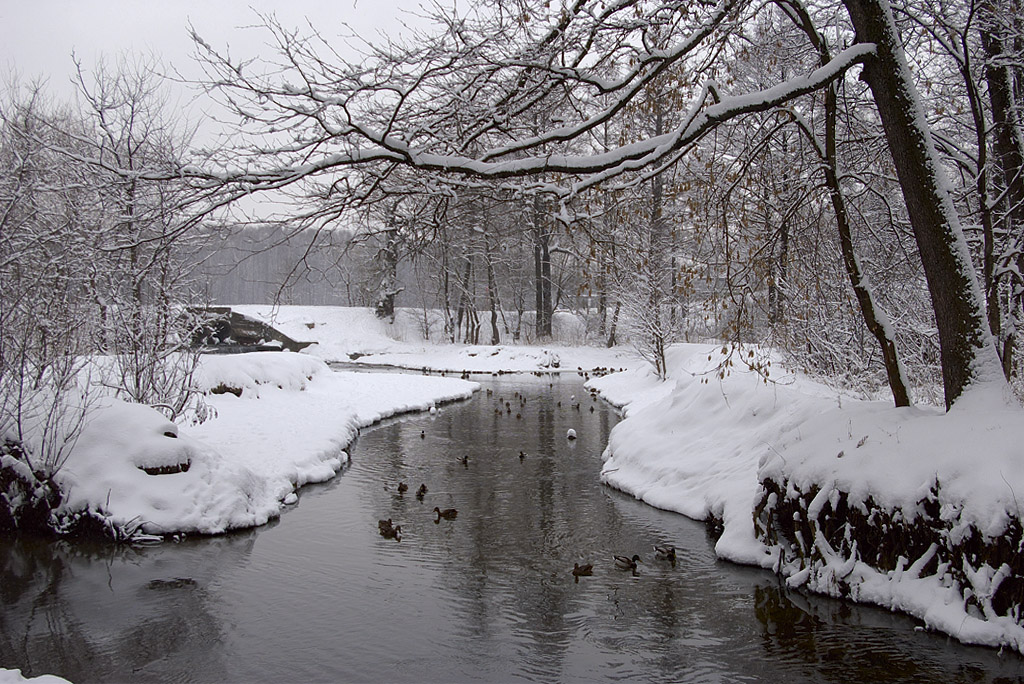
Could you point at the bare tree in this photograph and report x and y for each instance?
(461, 106)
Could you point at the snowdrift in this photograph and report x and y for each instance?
(913, 509)
(282, 420)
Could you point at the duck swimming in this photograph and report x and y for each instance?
(447, 514)
(389, 531)
(665, 553)
(582, 570)
(627, 563)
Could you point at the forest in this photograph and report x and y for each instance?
(839, 182)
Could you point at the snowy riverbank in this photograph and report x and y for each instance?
(288, 426)
(15, 677)
(701, 445)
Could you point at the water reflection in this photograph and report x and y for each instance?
(838, 639)
(488, 596)
(105, 613)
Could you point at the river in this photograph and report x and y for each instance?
(320, 596)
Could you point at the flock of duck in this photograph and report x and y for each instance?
(389, 530)
(664, 553)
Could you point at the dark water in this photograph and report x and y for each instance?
(321, 596)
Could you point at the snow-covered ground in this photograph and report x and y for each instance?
(356, 334)
(700, 444)
(289, 426)
(15, 677)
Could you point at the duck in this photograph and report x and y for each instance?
(421, 491)
(402, 488)
(570, 434)
(392, 533)
(522, 455)
(447, 514)
(627, 563)
(667, 553)
(389, 530)
(582, 570)
(464, 461)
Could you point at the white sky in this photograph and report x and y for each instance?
(37, 37)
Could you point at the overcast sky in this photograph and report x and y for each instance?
(37, 37)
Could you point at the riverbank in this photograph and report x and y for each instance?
(277, 421)
(721, 439)
(15, 677)
(272, 603)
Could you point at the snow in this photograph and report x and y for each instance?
(699, 444)
(280, 420)
(288, 428)
(692, 444)
(343, 332)
(896, 455)
(15, 677)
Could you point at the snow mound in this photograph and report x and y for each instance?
(972, 453)
(255, 371)
(105, 471)
(289, 426)
(693, 443)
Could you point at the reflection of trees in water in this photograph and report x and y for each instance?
(843, 644)
(113, 613)
(544, 503)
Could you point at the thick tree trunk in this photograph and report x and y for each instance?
(612, 340)
(968, 351)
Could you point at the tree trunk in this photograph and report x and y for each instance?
(465, 300)
(492, 292)
(542, 272)
(388, 258)
(967, 349)
(612, 341)
(875, 319)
